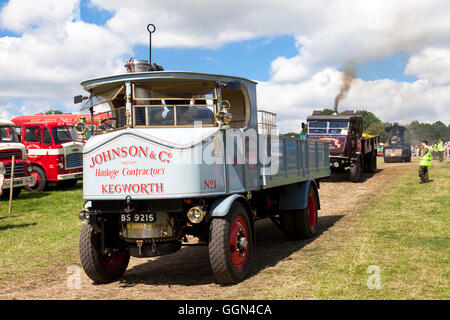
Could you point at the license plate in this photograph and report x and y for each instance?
(138, 217)
(392, 154)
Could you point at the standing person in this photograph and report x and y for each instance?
(440, 150)
(448, 151)
(425, 162)
(2, 177)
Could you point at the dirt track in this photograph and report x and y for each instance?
(187, 274)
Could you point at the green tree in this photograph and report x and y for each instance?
(52, 111)
(327, 111)
(368, 118)
(377, 128)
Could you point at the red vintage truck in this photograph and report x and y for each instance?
(350, 150)
(53, 151)
(10, 146)
(70, 118)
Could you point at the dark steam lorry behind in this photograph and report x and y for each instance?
(397, 150)
(350, 150)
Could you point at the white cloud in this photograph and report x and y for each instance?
(431, 63)
(44, 66)
(22, 15)
(388, 99)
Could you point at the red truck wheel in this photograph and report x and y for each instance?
(231, 246)
(100, 268)
(40, 180)
(305, 220)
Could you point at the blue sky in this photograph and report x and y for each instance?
(250, 59)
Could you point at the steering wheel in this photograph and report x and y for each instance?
(105, 125)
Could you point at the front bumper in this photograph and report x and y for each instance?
(70, 176)
(18, 182)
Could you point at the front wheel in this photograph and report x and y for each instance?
(231, 246)
(101, 268)
(40, 180)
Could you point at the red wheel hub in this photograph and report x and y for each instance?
(312, 211)
(113, 260)
(238, 243)
(37, 179)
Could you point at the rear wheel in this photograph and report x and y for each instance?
(287, 224)
(374, 161)
(305, 220)
(99, 267)
(231, 246)
(40, 180)
(371, 161)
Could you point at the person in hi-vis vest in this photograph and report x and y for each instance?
(440, 149)
(2, 177)
(425, 162)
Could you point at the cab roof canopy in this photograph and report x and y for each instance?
(330, 117)
(105, 83)
(346, 115)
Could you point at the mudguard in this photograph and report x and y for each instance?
(221, 206)
(295, 196)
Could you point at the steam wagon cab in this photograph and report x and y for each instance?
(351, 150)
(179, 153)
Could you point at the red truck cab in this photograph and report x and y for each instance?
(10, 146)
(53, 151)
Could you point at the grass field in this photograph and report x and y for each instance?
(403, 233)
(406, 234)
(41, 231)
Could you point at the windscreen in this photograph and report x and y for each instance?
(73, 133)
(174, 104)
(8, 134)
(317, 127)
(61, 135)
(328, 127)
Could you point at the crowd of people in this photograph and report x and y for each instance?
(439, 151)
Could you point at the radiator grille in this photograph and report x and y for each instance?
(7, 154)
(74, 160)
(19, 170)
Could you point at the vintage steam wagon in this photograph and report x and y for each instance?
(397, 150)
(351, 150)
(181, 154)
